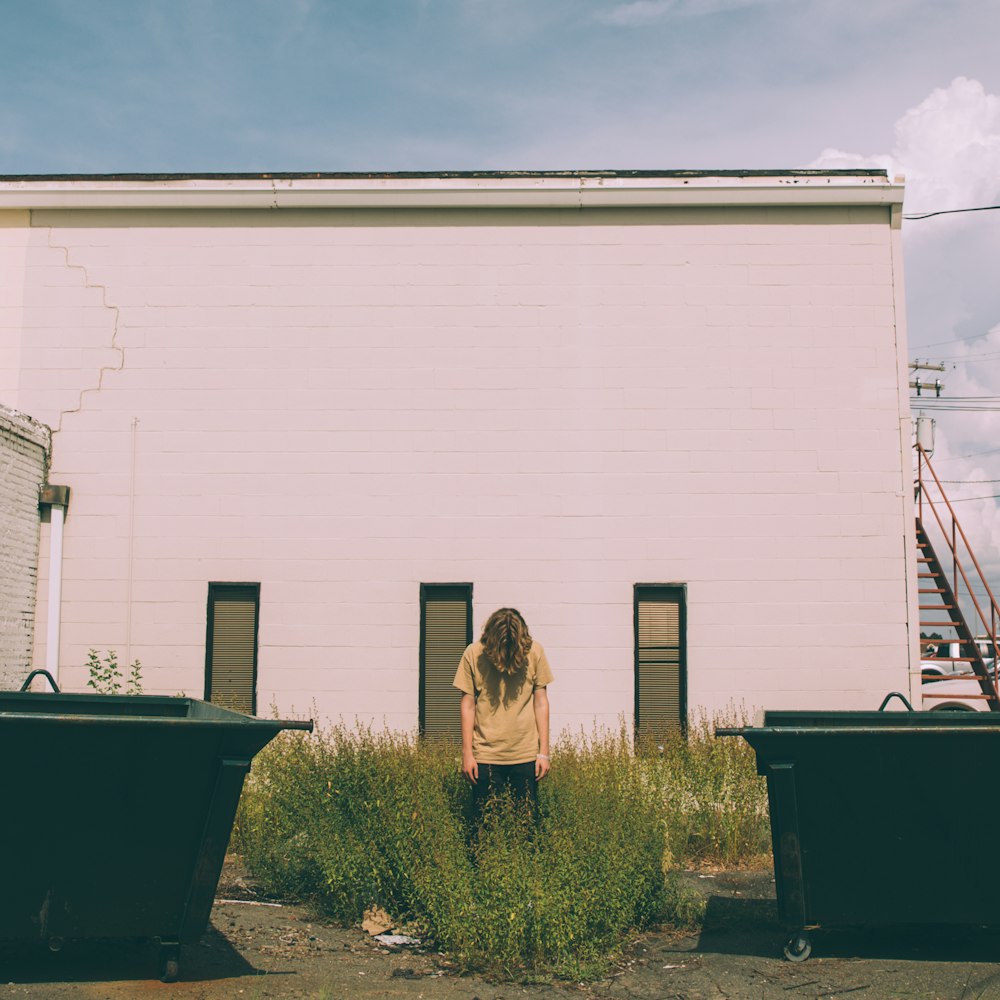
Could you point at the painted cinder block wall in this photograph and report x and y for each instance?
(551, 403)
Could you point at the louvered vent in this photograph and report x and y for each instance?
(232, 647)
(659, 662)
(447, 631)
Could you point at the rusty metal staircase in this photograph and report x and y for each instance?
(943, 595)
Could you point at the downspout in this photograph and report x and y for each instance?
(56, 498)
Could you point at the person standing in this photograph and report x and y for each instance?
(505, 710)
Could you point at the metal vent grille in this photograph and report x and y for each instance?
(447, 631)
(659, 663)
(232, 650)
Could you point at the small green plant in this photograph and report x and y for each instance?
(134, 685)
(106, 674)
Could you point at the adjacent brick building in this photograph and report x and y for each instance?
(24, 456)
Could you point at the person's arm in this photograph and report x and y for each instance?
(541, 706)
(469, 766)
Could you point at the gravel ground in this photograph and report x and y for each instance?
(257, 951)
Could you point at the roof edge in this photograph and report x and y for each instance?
(511, 189)
(428, 174)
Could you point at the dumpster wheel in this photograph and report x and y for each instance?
(798, 947)
(170, 965)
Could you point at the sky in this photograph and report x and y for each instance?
(108, 86)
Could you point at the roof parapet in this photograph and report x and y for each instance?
(597, 189)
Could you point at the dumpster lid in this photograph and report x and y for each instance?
(844, 722)
(128, 710)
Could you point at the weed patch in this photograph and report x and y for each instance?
(715, 802)
(353, 818)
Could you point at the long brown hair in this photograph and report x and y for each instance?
(506, 640)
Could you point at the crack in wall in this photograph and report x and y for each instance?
(114, 345)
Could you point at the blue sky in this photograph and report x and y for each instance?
(94, 86)
(178, 85)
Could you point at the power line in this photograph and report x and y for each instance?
(956, 403)
(990, 356)
(955, 340)
(975, 454)
(930, 405)
(941, 366)
(951, 211)
(971, 357)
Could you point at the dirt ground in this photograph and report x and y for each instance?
(255, 951)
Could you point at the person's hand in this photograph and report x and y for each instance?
(541, 765)
(470, 768)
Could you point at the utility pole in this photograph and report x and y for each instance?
(937, 385)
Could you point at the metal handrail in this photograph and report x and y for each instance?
(953, 534)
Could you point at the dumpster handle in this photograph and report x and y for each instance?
(44, 673)
(306, 724)
(890, 696)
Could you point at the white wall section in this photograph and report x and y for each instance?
(553, 404)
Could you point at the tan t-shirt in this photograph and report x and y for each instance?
(505, 731)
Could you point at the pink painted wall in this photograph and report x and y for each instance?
(552, 405)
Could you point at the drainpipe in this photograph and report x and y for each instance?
(56, 498)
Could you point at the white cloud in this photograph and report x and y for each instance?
(629, 15)
(640, 12)
(967, 454)
(948, 147)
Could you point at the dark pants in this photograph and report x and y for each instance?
(495, 779)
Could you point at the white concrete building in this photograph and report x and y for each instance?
(289, 406)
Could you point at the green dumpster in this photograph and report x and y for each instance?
(865, 806)
(117, 814)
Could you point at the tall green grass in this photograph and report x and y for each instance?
(715, 804)
(353, 818)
